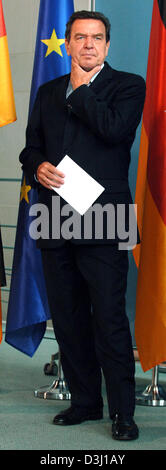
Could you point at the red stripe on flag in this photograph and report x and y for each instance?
(2, 22)
(155, 112)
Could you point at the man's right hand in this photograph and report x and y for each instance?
(48, 175)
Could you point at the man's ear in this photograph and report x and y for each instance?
(107, 47)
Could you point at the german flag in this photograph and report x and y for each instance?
(150, 256)
(7, 104)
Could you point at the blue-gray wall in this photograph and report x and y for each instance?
(130, 33)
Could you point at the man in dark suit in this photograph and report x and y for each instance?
(91, 115)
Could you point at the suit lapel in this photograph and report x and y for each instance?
(61, 95)
(102, 78)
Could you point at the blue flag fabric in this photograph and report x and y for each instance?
(51, 59)
(28, 309)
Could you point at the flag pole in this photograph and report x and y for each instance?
(59, 388)
(154, 394)
(93, 5)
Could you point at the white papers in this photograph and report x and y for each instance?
(80, 190)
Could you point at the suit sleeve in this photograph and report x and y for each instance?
(113, 120)
(33, 153)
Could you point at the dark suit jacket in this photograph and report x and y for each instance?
(95, 126)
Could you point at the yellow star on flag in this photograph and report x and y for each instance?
(53, 44)
(24, 191)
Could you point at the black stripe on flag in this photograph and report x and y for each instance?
(162, 8)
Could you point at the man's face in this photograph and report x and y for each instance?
(87, 45)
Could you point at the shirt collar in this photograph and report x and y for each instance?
(94, 76)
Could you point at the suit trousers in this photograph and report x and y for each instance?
(86, 287)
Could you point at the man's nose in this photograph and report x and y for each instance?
(89, 42)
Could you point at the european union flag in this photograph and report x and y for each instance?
(51, 59)
(28, 309)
